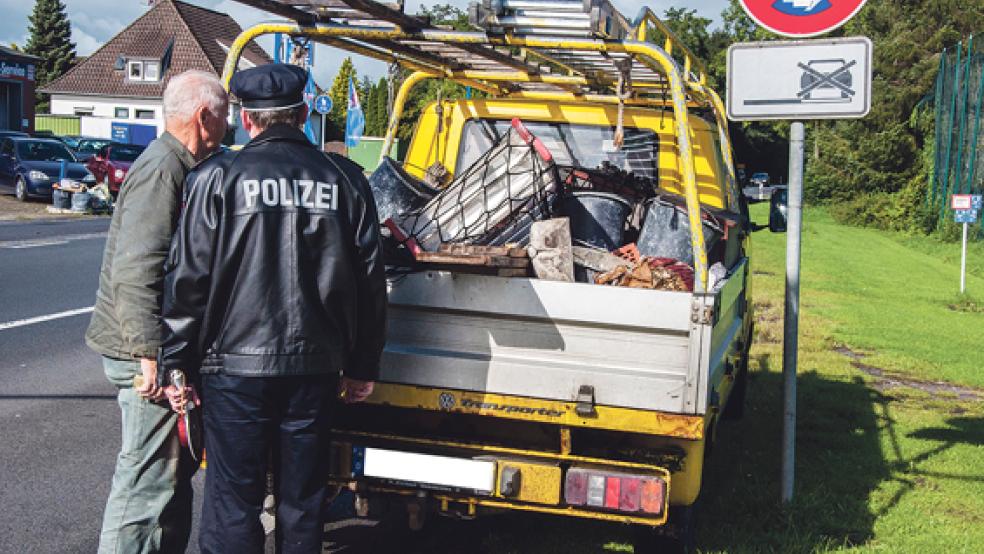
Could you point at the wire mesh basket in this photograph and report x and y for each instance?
(492, 202)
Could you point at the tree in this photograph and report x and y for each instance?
(50, 40)
(339, 92)
(446, 15)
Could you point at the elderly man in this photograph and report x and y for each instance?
(149, 506)
(274, 287)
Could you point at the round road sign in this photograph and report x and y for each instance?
(323, 104)
(801, 18)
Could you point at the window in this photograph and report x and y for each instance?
(7, 147)
(143, 70)
(152, 71)
(144, 114)
(135, 71)
(125, 153)
(586, 146)
(43, 151)
(83, 110)
(123, 113)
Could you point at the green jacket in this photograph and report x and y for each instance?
(126, 322)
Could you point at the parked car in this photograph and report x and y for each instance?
(111, 162)
(760, 179)
(86, 147)
(29, 166)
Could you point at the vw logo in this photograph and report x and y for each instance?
(446, 400)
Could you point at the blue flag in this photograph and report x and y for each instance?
(355, 120)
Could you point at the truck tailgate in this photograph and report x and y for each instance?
(542, 339)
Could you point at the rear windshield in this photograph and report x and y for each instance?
(38, 151)
(586, 146)
(124, 153)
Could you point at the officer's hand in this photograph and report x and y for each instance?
(179, 399)
(353, 390)
(148, 389)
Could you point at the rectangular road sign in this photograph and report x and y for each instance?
(961, 202)
(977, 202)
(965, 216)
(800, 79)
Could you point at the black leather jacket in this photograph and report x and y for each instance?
(276, 267)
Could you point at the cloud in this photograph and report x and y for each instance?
(85, 44)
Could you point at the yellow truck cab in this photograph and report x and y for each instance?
(532, 395)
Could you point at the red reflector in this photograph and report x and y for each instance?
(612, 487)
(576, 488)
(653, 491)
(631, 495)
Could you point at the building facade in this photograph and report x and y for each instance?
(16, 90)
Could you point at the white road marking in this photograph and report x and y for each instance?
(43, 318)
(50, 241)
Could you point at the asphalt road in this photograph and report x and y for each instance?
(58, 414)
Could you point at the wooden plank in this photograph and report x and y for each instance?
(471, 260)
(472, 249)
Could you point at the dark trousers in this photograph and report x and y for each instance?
(250, 421)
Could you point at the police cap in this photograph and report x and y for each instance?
(270, 87)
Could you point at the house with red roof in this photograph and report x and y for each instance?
(118, 90)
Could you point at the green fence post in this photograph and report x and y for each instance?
(934, 182)
(949, 141)
(958, 169)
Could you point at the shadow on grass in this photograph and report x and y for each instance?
(839, 462)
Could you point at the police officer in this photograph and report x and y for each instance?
(274, 287)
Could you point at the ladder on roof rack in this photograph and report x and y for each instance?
(506, 22)
(579, 18)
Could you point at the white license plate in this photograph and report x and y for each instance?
(428, 469)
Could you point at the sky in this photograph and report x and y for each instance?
(96, 21)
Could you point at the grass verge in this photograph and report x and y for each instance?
(886, 462)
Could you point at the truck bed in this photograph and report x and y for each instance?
(641, 349)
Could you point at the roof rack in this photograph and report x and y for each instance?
(506, 25)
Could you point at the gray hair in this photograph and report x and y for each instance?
(264, 119)
(187, 92)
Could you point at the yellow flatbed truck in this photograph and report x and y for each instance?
(572, 399)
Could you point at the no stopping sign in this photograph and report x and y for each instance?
(801, 18)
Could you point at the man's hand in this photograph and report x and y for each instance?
(148, 389)
(353, 390)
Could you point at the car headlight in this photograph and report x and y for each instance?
(36, 175)
(119, 173)
(89, 178)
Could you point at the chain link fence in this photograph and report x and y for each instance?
(959, 143)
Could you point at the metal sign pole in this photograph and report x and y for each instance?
(963, 261)
(791, 318)
(323, 117)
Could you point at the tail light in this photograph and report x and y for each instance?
(615, 491)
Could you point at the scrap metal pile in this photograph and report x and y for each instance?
(515, 212)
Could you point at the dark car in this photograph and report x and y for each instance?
(86, 147)
(29, 166)
(111, 163)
